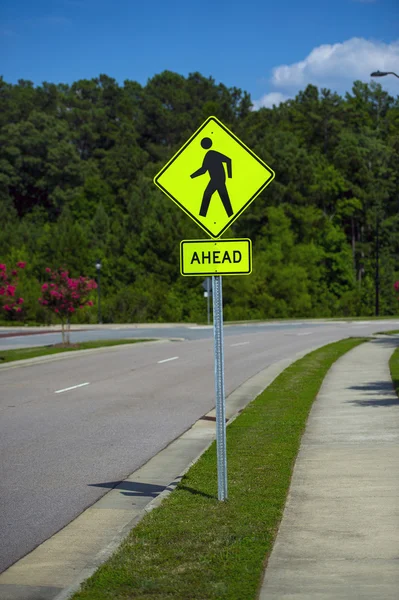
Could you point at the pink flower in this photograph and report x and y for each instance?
(90, 303)
(10, 290)
(44, 287)
(20, 300)
(18, 310)
(21, 265)
(48, 270)
(7, 307)
(3, 267)
(396, 285)
(71, 309)
(14, 272)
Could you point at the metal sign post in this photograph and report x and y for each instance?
(208, 294)
(219, 386)
(181, 179)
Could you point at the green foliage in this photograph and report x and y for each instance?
(76, 169)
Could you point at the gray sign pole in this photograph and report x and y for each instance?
(219, 386)
(208, 291)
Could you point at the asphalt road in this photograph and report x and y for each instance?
(72, 428)
(30, 337)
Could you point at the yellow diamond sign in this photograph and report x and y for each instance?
(214, 177)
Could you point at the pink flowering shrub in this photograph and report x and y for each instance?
(64, 295)
(9, 299)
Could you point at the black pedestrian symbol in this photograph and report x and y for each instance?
(213, 163)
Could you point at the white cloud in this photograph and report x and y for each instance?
(335, 66)
(269, 100)
(353, 59)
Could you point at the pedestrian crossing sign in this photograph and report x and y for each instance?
(214, 177)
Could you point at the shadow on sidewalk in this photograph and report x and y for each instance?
(391, 341)
(147, 490)
(387, 402)
(376, 388)
(371, 390)
(136, 488)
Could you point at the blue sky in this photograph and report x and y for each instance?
(270, 49)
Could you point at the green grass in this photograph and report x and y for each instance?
(392, 332)
(394, 368)
(23, 353)
(193, 546)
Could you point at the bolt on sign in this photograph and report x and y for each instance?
(216, 257)
(214, 177)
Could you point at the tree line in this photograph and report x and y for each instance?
(76, 186)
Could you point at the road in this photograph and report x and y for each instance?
(71, 428)
(30, 337)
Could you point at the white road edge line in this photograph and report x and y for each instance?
(239, 344)
(72, 388)
(167, 359)
(305, 333)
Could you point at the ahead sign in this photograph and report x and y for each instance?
(216, 257)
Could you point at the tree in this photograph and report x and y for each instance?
(10, 302)
(63, 295)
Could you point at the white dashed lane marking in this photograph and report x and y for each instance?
(239, 344)
(72, 388)
(168, 359)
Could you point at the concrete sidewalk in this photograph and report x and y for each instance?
(339, 536)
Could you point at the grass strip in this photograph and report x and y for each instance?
(391, 332)
(394, 368)
(193, 546)
(23, 353)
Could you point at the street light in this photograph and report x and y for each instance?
(382, 74)
(98, 267)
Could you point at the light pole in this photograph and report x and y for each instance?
(382, 74)
(98, 267)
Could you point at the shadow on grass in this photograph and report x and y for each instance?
(197, 492)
